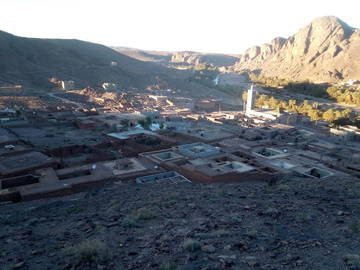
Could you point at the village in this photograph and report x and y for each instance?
(158, 137)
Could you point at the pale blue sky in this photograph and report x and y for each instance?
(226, 26)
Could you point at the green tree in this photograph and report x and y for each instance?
(145, 123)
(125, 123)
(329, 115)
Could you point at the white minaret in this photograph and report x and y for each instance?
(250, 101)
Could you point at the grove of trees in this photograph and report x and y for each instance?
(306, 108)
(343, 94)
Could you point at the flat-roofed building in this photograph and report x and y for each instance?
(49, 182)
(197, 150)
(24, 163)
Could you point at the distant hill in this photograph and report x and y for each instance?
(198, 58)
(184, 57)
(146, 56)
(326, 50)
(32, 61)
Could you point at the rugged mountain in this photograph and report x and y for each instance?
(325, 50)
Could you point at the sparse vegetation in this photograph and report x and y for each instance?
(191, 245)
(89, 251)
(74, 210)
(169, 266)
(9, 220)
(355, 227)
(352, 261)
(303, 218)
(125, 123)
(130, 222)
(145, 123)
(143, 232)
(144, 214)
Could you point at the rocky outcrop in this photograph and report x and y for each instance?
(186, 57)
(194, 58)
(325, 50)
(264, 51)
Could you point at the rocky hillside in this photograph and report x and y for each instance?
(296, 224)
(32, 61)
(326, 50)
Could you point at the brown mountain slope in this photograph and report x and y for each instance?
(32, 61)
(325, 50)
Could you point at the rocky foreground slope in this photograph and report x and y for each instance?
(297, 224)
(325, 50)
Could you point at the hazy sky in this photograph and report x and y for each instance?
(227, 26)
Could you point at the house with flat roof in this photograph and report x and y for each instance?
(24, 163)
(197, 150)
(49, 182)
(163, 178)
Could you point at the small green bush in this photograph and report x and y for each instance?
(89, 251)
(191, 245)
(354, 227)
(169, 266)
(144, 214)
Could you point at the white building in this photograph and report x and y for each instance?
(67, 85)
(250, 101)
(109, 86)
(158, 98)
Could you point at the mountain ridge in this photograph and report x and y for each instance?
(33, 61)
(327, 49)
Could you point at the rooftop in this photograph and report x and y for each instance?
(26, 161)
(198, 149)
(126, 134)
(166, 177)
(269, 153)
